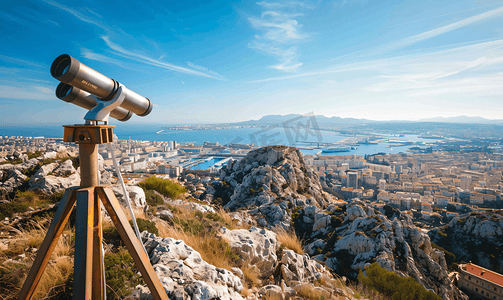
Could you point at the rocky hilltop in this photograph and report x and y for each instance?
(268, 183)
(355, 235)
(266, 195)
(475, 237)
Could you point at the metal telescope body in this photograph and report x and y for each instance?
(80, 81)
(103, 97)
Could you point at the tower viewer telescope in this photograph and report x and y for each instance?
(85, 79)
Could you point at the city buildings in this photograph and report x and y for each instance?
(480, 282)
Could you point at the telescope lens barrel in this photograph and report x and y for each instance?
(84, 99)
(69, 70)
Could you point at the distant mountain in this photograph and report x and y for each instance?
(324, 121)
(461, 119)
(320, 119)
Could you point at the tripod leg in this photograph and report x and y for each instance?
(133, 245)
(98, 287)
(55, 229)
(84, 227)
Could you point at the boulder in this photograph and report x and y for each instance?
(64, 169)
(272, 292)
(51, 184)
(256, 247)
(15, 179)
(166, 215)
(267, 177)
(183, 273)
(136, 195)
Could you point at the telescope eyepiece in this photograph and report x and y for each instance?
(70, 71)
(84, 99)
(63, 91)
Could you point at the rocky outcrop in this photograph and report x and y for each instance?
(14, 179)
(255, 246)
(185, 275)
(136, 195)
(475, 237)
(358, 235)
(54, 177)
(52, 184)
(268, 183)
(285, 273)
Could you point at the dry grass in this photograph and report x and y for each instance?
(251, 274)
(289, 240)
(14, 267)
(273, 297)
(309, 292)
(368, 293)
(229, 220)
(209, 246)
(201, 235)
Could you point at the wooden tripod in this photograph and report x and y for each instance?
(88, 280)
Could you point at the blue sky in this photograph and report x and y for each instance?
(210, 62)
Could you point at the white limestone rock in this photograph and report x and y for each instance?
(42, 172)
(65, 168)
(136, 195)
(182, 271)
(51, 184)
(299, 268)
(256, 247)
(15, 179)
(355, 211)
(272, 292)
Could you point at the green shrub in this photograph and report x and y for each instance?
(152, 198)
(34, 154)
(146, 225)
(8, 209)
(393, 285)
(56, 197)
(215, 217)
(449, 257)
(194, 226)
(26, 196)
(166, 187)
(121, 274)
(111, 234)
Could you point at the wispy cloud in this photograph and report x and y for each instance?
(350, 2)
(441, 30)
(280, 34)
(85, 16)
(155, 62)
(34, 92)
(464, 70)
(22, 62)
(421, 71)
(283, 4)
(79, 15)
(203, 69)
(89, 54)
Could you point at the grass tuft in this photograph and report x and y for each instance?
(289, 240)
(166, 187)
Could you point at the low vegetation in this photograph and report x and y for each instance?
(394, 286)
(165, 187)
(121, 273)
(289, 240)
(153, 198)
(16, 260)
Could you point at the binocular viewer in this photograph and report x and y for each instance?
(87, 88)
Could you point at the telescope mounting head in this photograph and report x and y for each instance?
(101, 112)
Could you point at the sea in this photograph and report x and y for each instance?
(301, 138)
